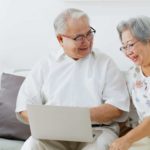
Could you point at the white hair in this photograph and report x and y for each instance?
(139, 28)
(60, 23)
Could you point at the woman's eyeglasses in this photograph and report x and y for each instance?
(128, 47)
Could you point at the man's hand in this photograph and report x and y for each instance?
(24, 116)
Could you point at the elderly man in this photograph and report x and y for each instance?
(82, 77)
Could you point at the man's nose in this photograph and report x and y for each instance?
(85, 41)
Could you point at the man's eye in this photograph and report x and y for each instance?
(79, 38)
(89, 33)
(124, 47)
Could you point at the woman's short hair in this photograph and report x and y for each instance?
(60, 23)
(139, 28)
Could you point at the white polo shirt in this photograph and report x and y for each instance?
(87, 82)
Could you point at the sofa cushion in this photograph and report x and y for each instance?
(10, 127)
(6, 144)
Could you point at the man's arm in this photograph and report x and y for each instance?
(104, 113)
(24, 116)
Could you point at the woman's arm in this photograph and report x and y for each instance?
(139, 132)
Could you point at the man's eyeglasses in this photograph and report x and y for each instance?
(79, 39)
(128, 47)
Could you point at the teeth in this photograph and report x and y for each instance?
(83, 48)
(135, 58)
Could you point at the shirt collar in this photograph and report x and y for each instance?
(61, 53)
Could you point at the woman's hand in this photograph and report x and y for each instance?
(120, 144)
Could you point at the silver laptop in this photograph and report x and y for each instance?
(60, 123)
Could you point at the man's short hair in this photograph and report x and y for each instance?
(60, 23)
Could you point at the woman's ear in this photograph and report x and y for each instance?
(148, 43)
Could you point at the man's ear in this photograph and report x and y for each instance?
(60, 39)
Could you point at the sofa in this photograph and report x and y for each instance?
(9, 144)
(12, 132)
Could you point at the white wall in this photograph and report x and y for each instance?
(26, 27)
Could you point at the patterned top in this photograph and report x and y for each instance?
(139, 88)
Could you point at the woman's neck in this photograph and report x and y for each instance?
(146, 70)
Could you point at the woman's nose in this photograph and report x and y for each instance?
(129, 52)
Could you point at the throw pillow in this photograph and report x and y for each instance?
(10, 127)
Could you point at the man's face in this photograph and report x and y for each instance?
(77, 40)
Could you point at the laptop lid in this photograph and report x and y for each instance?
(60, 123)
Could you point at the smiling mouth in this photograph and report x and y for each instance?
(83, 49)
(134, 58)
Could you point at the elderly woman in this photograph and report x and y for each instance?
(135, 37)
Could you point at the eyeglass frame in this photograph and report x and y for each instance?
(128, 47)
(82, 37)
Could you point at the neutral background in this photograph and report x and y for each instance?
(26, 28)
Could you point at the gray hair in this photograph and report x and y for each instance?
(139, 28)
(60, 23)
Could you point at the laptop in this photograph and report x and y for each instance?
(60, 123)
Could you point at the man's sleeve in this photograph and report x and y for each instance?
(30, 91)
(115, 90)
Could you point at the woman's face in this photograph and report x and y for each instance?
(135, 50)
